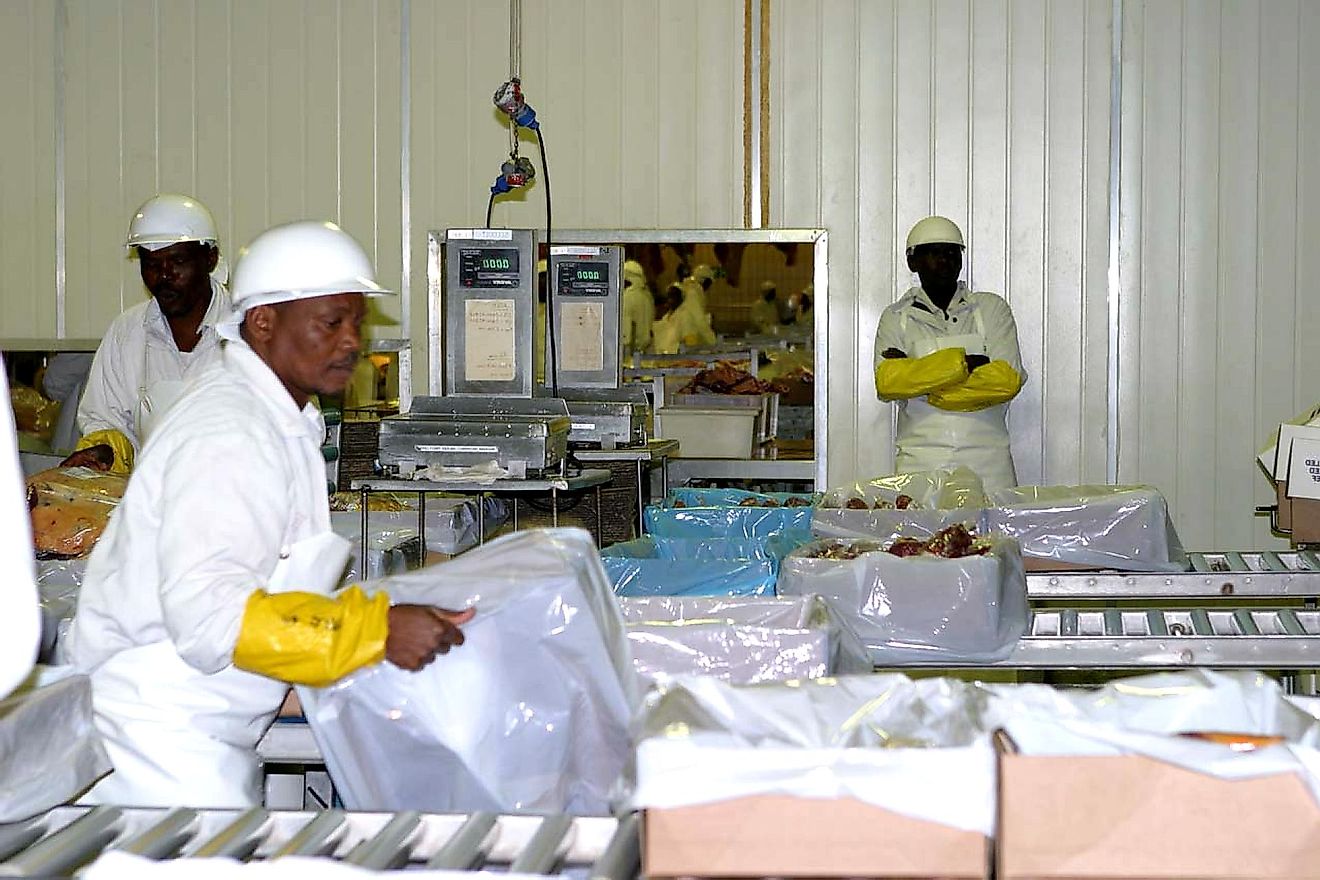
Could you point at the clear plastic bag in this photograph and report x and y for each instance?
(50, 751)
(742, 641)
(919, 748)
(529, 715)
(636, 576)
(58, 583)
(1119, 527)
(921, 609)
(725, 522)
(70, 508)
(956, 488)
(888, 525)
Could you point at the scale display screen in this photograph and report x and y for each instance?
(583, 278)
(488, 267)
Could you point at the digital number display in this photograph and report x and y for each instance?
(488, 267)
(583, 279)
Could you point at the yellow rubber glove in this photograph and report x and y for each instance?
(116, 440)
(901, 378)
(987, 386)
(303, 638)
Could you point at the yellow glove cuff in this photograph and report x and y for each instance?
(116, 440)
(303, 638)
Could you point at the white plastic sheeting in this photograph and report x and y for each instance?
(921, 608)
(50, 751)
(740, 640)
(529, 715)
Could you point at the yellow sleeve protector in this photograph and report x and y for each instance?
(901, 378)
(123, 449)
(303, 638)
(987, 386)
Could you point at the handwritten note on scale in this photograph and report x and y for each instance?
(582, 347)
(490, 340)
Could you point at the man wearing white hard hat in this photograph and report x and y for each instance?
(637, 310)
(949, 358)
(210, 591)
(153, 349)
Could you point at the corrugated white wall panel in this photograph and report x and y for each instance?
(27, 169)
(640, 102)
(266, 111)
(995, 113)
(1216, 116)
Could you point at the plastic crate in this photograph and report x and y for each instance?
(709, 432)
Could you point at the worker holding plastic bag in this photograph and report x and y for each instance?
(153, 349)
(949, 358)
(210, 590)
(530, 716)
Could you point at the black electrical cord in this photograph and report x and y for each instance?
(549, 282)
(490, 206)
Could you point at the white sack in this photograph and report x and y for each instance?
(956, 488)
(530, 715)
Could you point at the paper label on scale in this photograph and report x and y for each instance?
(490, 340)
(581, 348)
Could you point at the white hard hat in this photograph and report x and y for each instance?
(170, 218)
(768, 286)
(634, 268)
(934, 230)
(301, 260)
(703, 273)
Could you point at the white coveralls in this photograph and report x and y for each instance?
(637, 314)
(139, 372)
(20, 620)
(693, 317)
(228, 497)
(929, 437)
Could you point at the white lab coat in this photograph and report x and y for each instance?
(929, 437)
(20, 620)
(764, 316)
(693, 317)
(229, 496)
(637, 316)
(138, 358)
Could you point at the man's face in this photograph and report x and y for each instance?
(314, 344)
(938, 266)
(177, 276)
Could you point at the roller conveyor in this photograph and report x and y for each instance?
(1111, 638)
(1217, 576)
(67, 838)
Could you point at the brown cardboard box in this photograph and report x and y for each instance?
(782, 836)
(1285, 505)
(1128, 817)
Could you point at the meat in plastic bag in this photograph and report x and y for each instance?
(70, 508)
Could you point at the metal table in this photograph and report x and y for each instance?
(683, 469)
(646, 458)
(1214, 576)
(1111, 638)
(62, 840)
(552, 485)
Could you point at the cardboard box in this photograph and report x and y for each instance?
(783, 836)
(1042, 565)
(1129, 816)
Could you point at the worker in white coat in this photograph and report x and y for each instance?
(637, 310)
(20, 618)
(153, 348)
(209, 592)
(764, 315)
(949, 358)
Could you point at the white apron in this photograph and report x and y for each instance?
(154, 401)
(929, 437)
(173, 728)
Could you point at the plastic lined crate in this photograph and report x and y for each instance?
(710, 432)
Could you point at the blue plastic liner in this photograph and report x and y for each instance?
(774, 547)
(693, 497)
(725, 522)
(634, 576)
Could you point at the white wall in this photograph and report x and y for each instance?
(1221, 215)
(1007, 133)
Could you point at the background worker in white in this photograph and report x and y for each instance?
(764, 315)
(637, 310)
(153, 348)
(208, 593)
(949, 357)
(20, 619)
